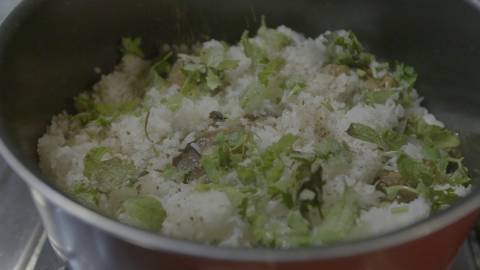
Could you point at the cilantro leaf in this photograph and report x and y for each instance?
(405, 75)
(334, 157)
(270, 69)
(392, 140)
(253, 97)
(109, 173)
(86, 194)
(257, 54)
(275, 233)
(430, 134)
(145, 212)
(132, 46)
(213, 80)
(442, 198)
(174, 102)
(339, 219)
(387, 140)
(364, 133)
(228, 64)
(83, 103)
(377, 97)
(345, 49)
(415, 171)
(228, 150)
(276, 149)
(272, 37)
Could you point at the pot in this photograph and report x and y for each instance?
(49, 48)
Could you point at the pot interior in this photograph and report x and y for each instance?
(49, 48)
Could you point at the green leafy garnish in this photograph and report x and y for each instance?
(206, 72)
(159, 70)
(377, 97)
(415, 171)
(442, 198)
(270, 69)
(145, 212)
(430, 134)
(174, 102)
(334, 156)
(275, 233)
(405, 75)
(83, 103)
(257, 54)
(102, 113)
(213, 80)
(364, 133)
(339, 219)
(132, 46)
(294, 85)
(229, 149)
(399, 209)
(387, 140)
(237, 196)
(253, 97)
(116, 110)
(86, 194)
(345, 49)
(108, 173)
(273, 38)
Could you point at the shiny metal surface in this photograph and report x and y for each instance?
(20, 225)
(86, 32)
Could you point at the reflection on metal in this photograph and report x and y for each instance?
(475, 3)
(474, 245)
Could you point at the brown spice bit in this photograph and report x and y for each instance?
(336, 70)
(251, 117)
(386, 82)
(406, 196)
(389, 178)
(176, 75)
(189, 160)
(217, 116)
(190, 157)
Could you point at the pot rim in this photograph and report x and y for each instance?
(150, 240)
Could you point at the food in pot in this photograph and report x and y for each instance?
(277, 141)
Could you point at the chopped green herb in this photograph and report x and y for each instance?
(339, 219)
(108, 173)
(273, 38)
(387, 140)
(377, 97)
(269, 70)
(405, 75)
(132, 46)
(345, 49)
(399, 210)
(213, 81)
(145, 212)
(431, 135)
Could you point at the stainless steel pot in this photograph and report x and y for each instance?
(48, 49)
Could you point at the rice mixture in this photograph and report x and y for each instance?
(277, 141)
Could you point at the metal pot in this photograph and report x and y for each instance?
(48, 50)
